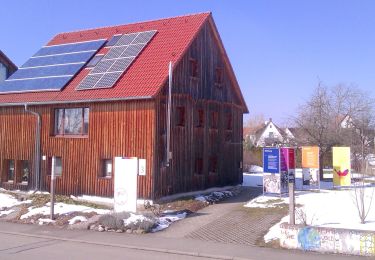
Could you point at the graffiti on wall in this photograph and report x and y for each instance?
(332, 240)
(308, 238)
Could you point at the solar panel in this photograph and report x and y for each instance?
(51, 68)
(118, 59)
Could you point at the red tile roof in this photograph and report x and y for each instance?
(145, 76)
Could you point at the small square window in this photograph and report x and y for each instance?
(180, 116)
(194, 68)
(107, 168)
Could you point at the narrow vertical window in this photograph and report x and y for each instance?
(219, 76)
(200, 118)
(199, 166)
(180, 116)
(10, 166)
(213, 164)
(24, 171)
(228, 122)
(193, 68)
(214, 120)
(107, 168)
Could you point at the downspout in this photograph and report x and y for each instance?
(37, 178)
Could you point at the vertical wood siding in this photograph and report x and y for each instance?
(190, 142)
(115, 129)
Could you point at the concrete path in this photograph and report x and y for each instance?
(225, 222)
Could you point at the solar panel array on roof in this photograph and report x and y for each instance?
(51, 68)
(118, 59)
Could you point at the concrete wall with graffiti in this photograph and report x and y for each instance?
(320, 239)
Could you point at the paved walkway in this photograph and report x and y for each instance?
(225, 222)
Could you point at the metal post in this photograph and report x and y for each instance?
(169, 152)
(292, 216)
(53, 188)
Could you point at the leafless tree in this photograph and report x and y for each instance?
(319, 119)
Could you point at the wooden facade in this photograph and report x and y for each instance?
(206, 133)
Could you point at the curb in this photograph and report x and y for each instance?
(141, 248)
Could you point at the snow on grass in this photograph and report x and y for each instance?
(255, 168)
(134, 219)
(61, 208)
(77, 219)
(214, 196)
(165, 221)
(43, 221)
(5, 212)
(327, 208)
(8, 201)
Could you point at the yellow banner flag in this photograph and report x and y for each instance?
(341, 166)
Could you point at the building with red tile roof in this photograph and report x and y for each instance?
(85, 128)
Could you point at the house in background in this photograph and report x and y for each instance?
(89, 96)
(7, 67)
(271, 135)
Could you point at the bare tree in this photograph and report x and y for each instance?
(319, 119)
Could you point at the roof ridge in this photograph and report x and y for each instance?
(133, 23)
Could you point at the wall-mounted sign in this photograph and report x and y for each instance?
(341, 166)
(142, 167)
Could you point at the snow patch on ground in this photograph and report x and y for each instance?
(43, 221)
(94, 199)
(134, 219)
(5, 212)
(266, 202)
(255, 168)
(327, 208)
(8, 201)
(165, 221)
(61, 208)
(214, 196)
(77, 219)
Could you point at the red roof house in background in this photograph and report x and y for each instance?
(91, 95)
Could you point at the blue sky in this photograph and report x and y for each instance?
(280, 50)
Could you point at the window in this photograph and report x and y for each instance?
(94, 61)
(200, 118)
(214, 120)
(219, 76)
(10, 168)
(107, 168)
(213, 164)
(71, 121)
(180, 116)
(24, 173)
(3, 72)
(194, 68)
(228, 122)
(199, 166)
(270, 135)
(58, 166)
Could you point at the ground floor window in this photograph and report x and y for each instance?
(25, 169)
(10, 170)
(107, 168)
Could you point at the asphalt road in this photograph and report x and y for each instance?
(34, 242)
